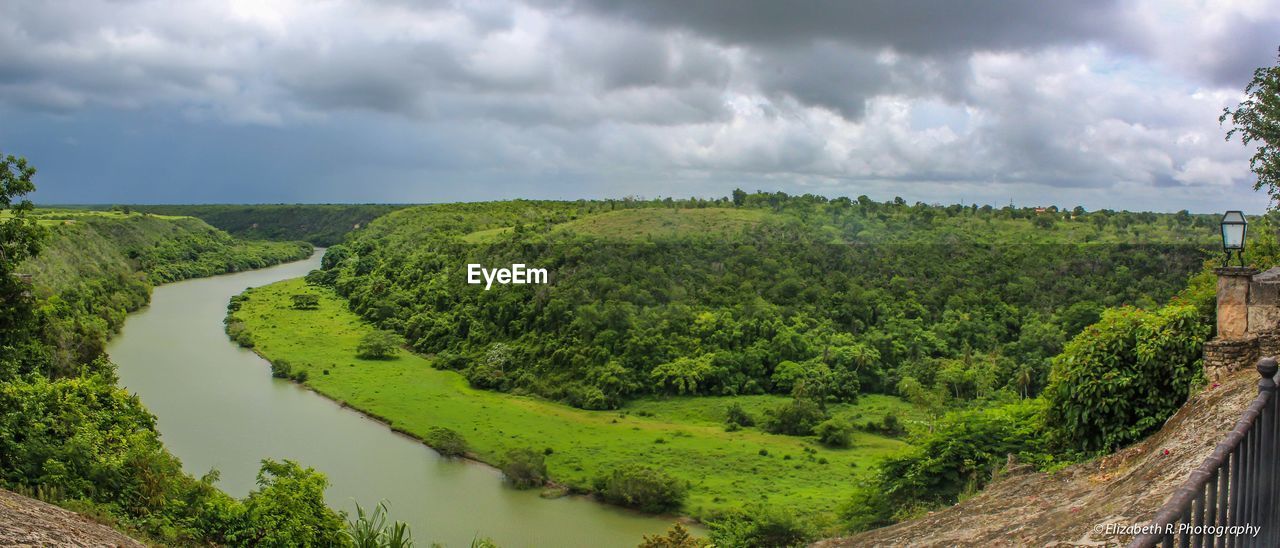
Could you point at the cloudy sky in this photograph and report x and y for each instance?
(1093, 102)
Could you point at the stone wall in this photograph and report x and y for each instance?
(1222, 356)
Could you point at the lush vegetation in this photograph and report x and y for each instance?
(970, 313)
(760, 294)
(722, 472)
(1122, 377)
(320, 224)
(95, 267)
(68, 433)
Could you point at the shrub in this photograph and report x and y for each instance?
(795, 418)
(524, 468)
(760, 526)
(239, 333)
(961, 454)
(378, 345)
(641, 487)
(446, 442)
(676, 537)
(281, 369)
(834, 433)
(889, 426)
(735, 415)
(305, 301)
(1119, 379)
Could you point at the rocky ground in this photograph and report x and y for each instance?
(29, 522)
(1067, 508)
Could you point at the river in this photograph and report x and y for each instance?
(218, 407)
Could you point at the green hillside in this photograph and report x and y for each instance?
(702, 297)
(95, 267)
(320, 224)
(660, 223)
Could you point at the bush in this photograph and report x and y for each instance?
(238, 333)
(736, 416)
(889, 426)
(676, 537)
(834, 433)
(962, 453)
(378, 345)
(525, 468)
(760, 526)
(795, 418)
(446, 442)
(1119, 379)
(641, 487)
(281, 369)
(305, 301)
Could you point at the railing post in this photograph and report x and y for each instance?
(1267, 453)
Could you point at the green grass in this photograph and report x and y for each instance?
(55, 217)
(682, 436)
(485, 236)
(633, 224)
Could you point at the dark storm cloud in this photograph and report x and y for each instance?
(909, 26)
(964, 99)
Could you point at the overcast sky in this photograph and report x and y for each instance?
(1092, 102)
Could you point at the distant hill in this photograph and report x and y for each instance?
(320, 224)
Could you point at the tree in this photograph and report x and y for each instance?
(20, 239)
(305, 301)
(737, 417)
(525, 468)
(378, 345)
(1257, 119)
(641, 487)
(288, 509)
(795, 418)
(834, 432)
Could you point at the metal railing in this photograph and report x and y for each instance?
(1234, 490)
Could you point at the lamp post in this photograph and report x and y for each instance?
(1234, 227)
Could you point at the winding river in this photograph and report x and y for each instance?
(218, 407)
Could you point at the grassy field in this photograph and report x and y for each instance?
(54, 216)
(631, 224)
(683, 436)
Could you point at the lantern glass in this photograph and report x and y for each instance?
(1233, 231)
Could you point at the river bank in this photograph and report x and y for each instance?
(684, 437)
(217, 407)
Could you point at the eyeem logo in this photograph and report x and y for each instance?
(517, 274)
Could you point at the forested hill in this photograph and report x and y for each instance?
(95, 267)
(320, 224)
(759, 293)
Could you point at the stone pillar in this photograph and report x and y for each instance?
(1233, 301)
(1235, 347)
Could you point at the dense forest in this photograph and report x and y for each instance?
(763, 293)
(320, 224)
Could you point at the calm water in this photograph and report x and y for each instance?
(219, 407)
